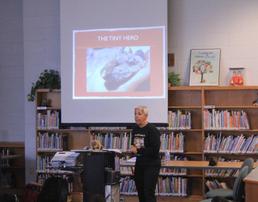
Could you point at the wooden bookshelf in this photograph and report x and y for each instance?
(12, 167)
(193, 99)
(65, 139)
(196, 99)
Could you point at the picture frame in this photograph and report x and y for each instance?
(204, 67)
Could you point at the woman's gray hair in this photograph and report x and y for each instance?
(144, 109)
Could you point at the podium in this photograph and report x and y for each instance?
(99, 175)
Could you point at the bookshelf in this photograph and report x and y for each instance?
(12, 167)
(187, 106)
(188, 100)
(51, 137)
(224, 127)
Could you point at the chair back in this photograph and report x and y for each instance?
(249, 162)
(238, 188)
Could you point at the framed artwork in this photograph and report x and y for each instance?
(204, 67)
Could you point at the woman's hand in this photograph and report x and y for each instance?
(133, 149)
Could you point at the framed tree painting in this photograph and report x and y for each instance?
(204, 67)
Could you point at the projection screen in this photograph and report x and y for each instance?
(113, 58)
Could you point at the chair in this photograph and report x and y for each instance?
(238, 188)
(228, 193)
(249, 162)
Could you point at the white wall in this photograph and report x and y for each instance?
(231, 25)
(41, 51)
(11, 71)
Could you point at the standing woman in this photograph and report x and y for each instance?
(145, 145)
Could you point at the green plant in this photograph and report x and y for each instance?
(174, 79)
(48, 79)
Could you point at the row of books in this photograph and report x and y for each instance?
(43, 162)
(179, 119)
(225, 119)
(213, 119)
(127, 185)
(183, 171)
(215, 184)
(163, 171)
(173, 171)
(120, 141)
(48, 120)
(173, 142)
(221, 172)
(5, 151)
(230, 144)
(112, 128)
(175, 186)
(50, 141)
(4, 163)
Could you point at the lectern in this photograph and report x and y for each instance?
(99, 171)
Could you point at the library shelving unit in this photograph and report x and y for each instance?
(12, 167)
(51, 137)
(195, 132)
(224, 124)
(184, 101)
(230, 125)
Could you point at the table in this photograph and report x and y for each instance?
(251, 186)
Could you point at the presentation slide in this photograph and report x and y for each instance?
(118, 63)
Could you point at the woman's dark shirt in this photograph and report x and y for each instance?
(147, 141)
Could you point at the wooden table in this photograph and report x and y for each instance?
(201, 165)
(251, 186)
(196, 165)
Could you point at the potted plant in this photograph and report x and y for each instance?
(173, 79)
(48, 79)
